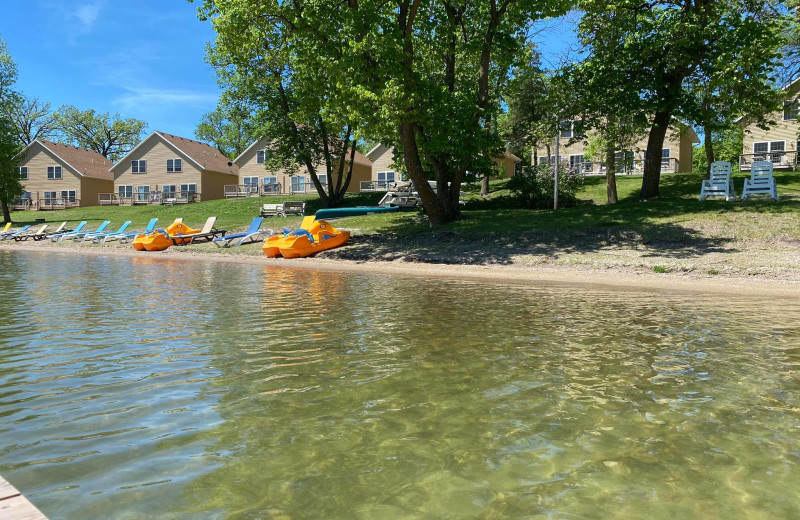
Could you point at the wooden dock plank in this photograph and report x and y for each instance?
(14, 506)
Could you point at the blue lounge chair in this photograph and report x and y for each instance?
(8, 235)
(59, 236)
(151, 228)
(75, 235)
(101, 234)
(55, 236)
(253, 234)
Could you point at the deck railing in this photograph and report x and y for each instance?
(786, 160)
(251, 190)
(376, 185)
(58, 203)
(108, 199)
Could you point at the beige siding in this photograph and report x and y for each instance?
(156, 153)
(249, 167)
(37, 159)
(361, 172)
(679, 144)
(91, 187)
(786, 131)
(214, 185)
(506, 165)
(382, 160)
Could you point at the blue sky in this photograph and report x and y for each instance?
(141, 58)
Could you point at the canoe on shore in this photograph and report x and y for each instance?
(330, 213)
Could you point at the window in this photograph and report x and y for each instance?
(575, 161)
(50, 195)
(139, 166)
(125, 191)
(142, 193)
(168, 191)
(769, 151)
(270, 180)
(385, 178)
(260, 156)
(323, 178)
(190, 188)
(174, 165)
(790, 110)
(250, 181)
(298, 184)
(69, 195)
(570, 129)
(543, 159)
(23, 173)
(54, 172)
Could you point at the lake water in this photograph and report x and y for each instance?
(150, 388)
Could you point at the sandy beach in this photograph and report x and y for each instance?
(766, 282)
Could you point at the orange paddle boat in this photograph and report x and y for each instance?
(311, 237)
(161, 239)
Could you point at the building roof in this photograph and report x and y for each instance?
(86, 163)
(203, 155)
(509, 155)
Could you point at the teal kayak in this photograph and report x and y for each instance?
(352, 212)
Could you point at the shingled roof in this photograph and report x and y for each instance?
(202, 153)
(85, 162)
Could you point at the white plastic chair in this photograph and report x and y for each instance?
(761, 181)
(720, 183)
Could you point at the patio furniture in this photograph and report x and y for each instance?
(719, 183)
(761, 181)
(208, 232)
(55, 236)
(124, 237)
(101, 234)
(253, 234)
(19, 237)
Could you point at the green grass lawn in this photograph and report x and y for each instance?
(676, 215)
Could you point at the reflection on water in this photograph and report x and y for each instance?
(139, 387)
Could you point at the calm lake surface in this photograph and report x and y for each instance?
(151, 388)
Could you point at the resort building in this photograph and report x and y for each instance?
(779, 143)
(58, 176)
(384, 173)
(168, 169)
(254, 178)
(676, 154)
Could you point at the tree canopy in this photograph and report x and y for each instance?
(9, 145)
(229, 129)
(33, 119)
(675, 53)
(109, 135)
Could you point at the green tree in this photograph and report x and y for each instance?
(276, 60)
(228, 128)
(10, 187)
(668, 46)
(727, 143)
(33, 119)
(420, 73)
(109, 135)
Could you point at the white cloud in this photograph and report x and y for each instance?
(87, 14)
(137, 98)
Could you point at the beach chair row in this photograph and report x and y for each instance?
(102, 234)
(720, 184)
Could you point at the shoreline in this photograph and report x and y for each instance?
(608, 278)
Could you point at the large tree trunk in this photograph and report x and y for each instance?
(652, 157)
(485, 186)
(6, 212)
(709, 146)
(611, 174)
(433, 209)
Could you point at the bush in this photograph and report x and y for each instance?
(533, 185)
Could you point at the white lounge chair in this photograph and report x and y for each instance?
(761, 181)
(272, 210)
(294, 208)
(720, 183)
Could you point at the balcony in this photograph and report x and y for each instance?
(251, 190)
(376, 185)
(786, 161)
(58, 203)
(633, 167)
